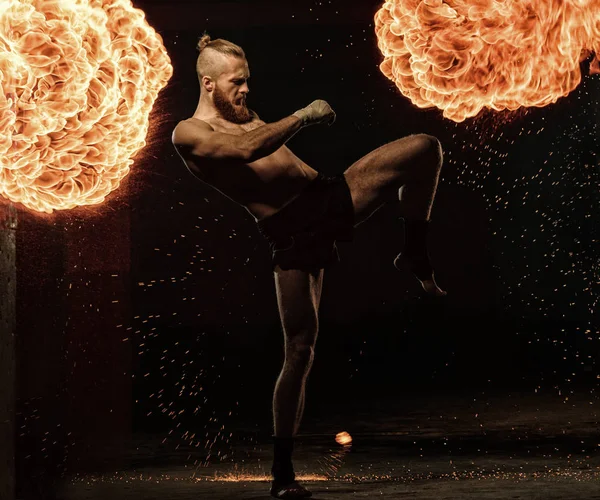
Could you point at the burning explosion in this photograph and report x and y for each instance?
(78, 79)
(465, 55)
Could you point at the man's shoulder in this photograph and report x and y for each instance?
(186, 130)
(195, 122)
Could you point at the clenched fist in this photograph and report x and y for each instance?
(316, 112)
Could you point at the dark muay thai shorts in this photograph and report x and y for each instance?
(303, 234)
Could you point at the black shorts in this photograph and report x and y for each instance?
(303, 233)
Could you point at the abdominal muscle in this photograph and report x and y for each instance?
(262, 187)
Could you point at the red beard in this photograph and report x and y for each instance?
(230, 112)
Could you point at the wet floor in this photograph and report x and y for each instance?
(509, 446)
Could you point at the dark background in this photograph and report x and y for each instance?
(155, 314)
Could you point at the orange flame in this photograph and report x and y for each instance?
(78, 79)
(465, 55)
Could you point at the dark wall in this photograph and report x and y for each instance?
(514, 241)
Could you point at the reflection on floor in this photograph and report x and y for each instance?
(489, 446)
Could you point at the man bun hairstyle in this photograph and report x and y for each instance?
(203, 42)
(208, 60)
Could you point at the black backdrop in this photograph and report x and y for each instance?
(157, 311)
(513, 230)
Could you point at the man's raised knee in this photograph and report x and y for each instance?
(431, 154)
(431, 146)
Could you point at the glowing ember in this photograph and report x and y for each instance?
(239, 477)
(79, 79)
(466, 55)
(343, 438)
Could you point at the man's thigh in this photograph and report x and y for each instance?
(378, 176)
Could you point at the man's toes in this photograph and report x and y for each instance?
(430, 286)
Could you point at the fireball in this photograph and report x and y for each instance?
(462, 56)
(78, 81)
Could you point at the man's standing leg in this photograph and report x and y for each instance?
(405, 171)
(298, 297)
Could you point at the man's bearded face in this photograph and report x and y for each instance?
(232, 111)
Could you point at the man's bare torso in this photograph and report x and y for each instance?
(264, 186)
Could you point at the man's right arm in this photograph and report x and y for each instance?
(204, 142)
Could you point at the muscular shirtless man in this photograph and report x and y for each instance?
(300, 211)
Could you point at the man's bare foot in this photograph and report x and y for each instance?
(290, 490)
(432, 288)
(429, 285)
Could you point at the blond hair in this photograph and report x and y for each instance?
(207, 64)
